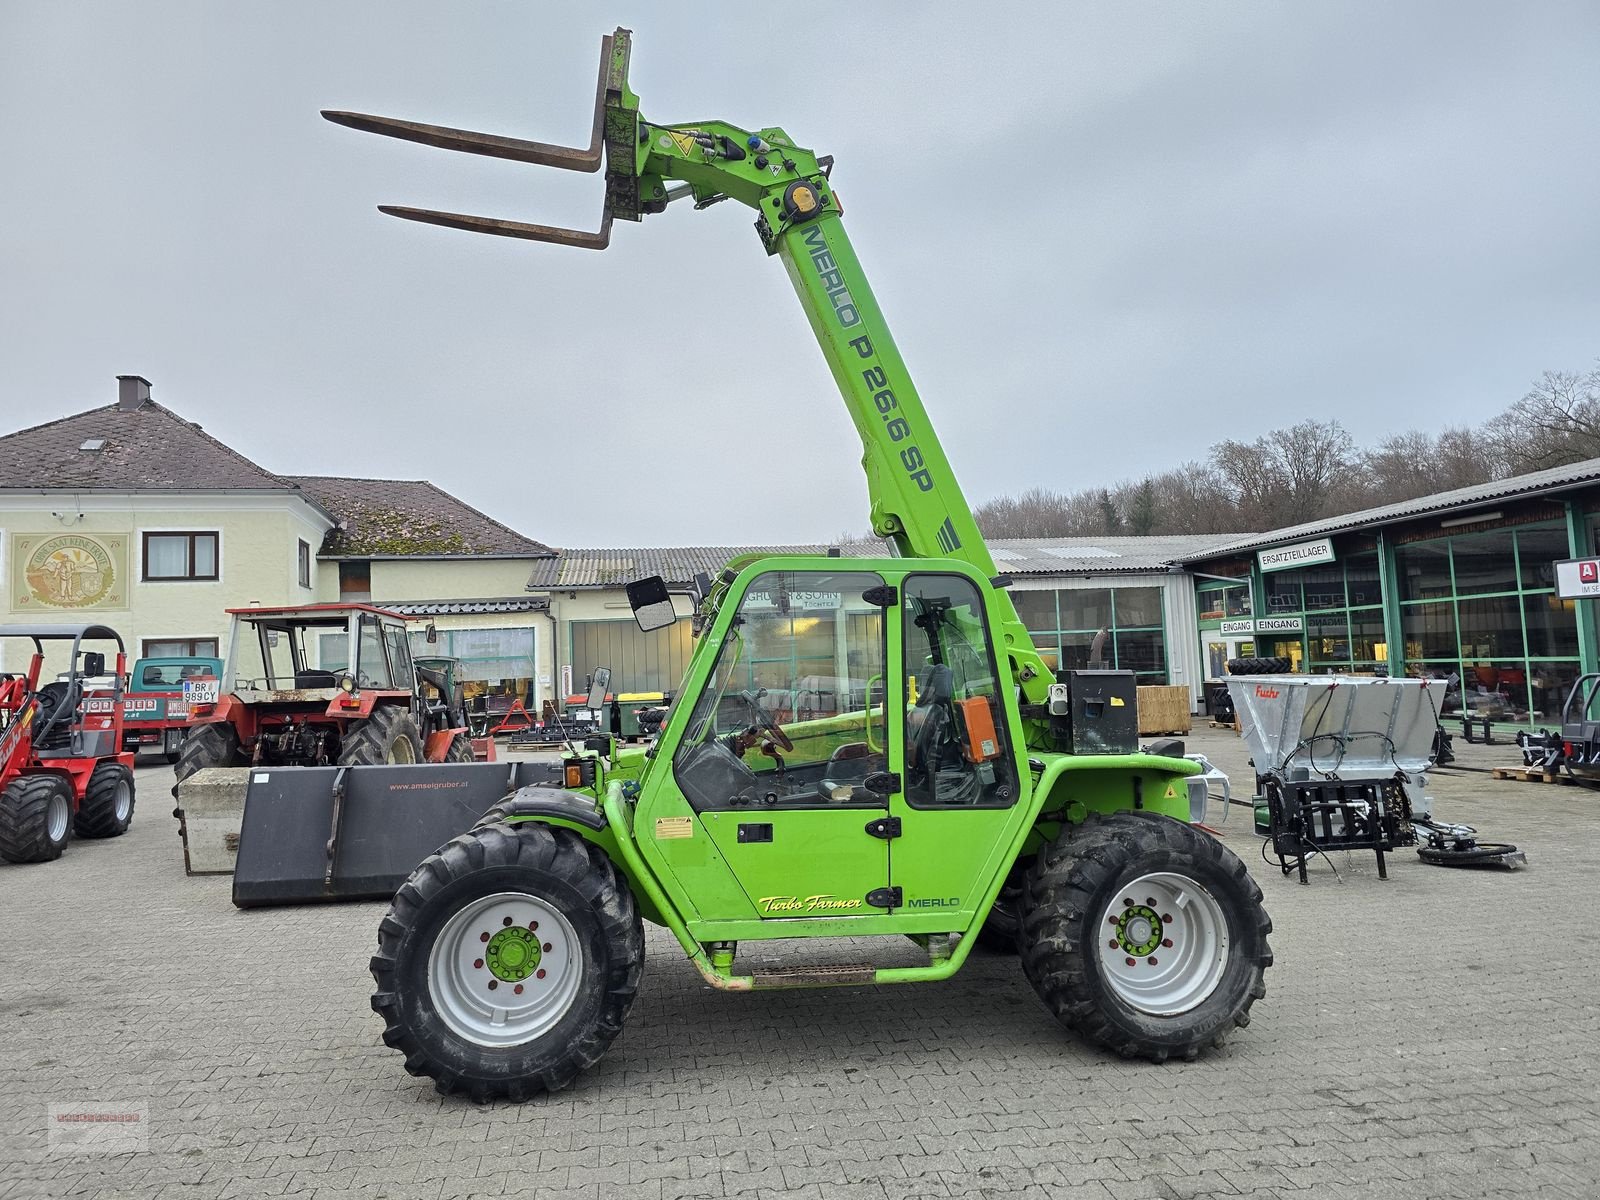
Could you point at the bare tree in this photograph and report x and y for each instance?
(1291, 475)
(1556, 423)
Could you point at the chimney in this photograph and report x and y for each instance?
(132, 391)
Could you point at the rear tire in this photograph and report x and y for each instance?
(1000, 928)
(1163, 892)
(35, 818)
(389, 735)
(460, 750)
(215, 745)
(107, 808)
(434, 994)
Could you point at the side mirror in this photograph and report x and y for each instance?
(651, 603)
(431, 634)
(599, 685)
(94, 663)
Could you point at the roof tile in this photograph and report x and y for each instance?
(381, 517)
(149, 447)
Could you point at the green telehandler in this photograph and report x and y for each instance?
(863, 747)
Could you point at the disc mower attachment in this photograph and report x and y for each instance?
(312, 834)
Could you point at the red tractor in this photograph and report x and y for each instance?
(319, 685)
(62, 768)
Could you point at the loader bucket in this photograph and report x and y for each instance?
(311, 834)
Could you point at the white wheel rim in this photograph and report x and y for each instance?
(1163, 944)
(124, 802)
(57, 816)
(402, 751)
(505, 969)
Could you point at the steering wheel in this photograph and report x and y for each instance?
(764, 721)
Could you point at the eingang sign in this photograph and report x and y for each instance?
(1301, 554)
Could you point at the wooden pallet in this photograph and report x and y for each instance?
(1531, 775)
(1233, 725)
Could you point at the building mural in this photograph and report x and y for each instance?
(69, 571)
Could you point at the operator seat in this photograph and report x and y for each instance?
(56, 700)
(928, 724)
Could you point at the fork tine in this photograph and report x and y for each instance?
(545, 154)
(579, 238)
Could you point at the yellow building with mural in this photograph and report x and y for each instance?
(130, 516)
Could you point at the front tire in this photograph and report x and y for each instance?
(107, 808)
(35, 818)
(1145, 936)
(460, 750)
(389, 735)
(467, 991)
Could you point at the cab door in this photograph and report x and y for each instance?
(787, 761)
(959, 788)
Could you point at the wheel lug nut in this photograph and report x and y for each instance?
(507, 921)
(483, 937)
(1112, 944)
(493, 983)
(1150, 901)
(1151, 961)
(477, 964)
(1127, 902)
(1112, 921)
(1166, 918)
(1133, 962)
(547, 947)
(1167, 942)
(533, 924)
(539, 974)
(517, 989)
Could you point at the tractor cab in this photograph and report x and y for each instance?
(311, 653)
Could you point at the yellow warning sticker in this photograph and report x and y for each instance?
(686, 144)
(668, 828)
(1118, 702)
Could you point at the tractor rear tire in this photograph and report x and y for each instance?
(107, 808)
(214, 745)
(1106, 903)
(389, 735)
(460, 750)
(35, 818)
(448, 990)
(1000, 928)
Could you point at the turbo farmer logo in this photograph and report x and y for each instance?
(70, 571)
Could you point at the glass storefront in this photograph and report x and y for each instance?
(1482, 606)
(1064, 624)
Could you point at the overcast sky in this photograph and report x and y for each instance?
(1105, 236)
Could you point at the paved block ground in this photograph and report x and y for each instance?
(1433, 1035)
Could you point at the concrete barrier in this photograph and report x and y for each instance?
(210, 814)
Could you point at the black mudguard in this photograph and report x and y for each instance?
(536, 801)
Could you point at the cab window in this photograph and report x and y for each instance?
(793, 713)
(957, 744)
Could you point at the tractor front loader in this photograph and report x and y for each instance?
(860, 747)
(62, 767)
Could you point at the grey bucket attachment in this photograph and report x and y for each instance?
(355, 833)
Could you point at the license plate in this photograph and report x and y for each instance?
(200, 691)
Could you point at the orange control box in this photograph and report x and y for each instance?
(982, 742)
